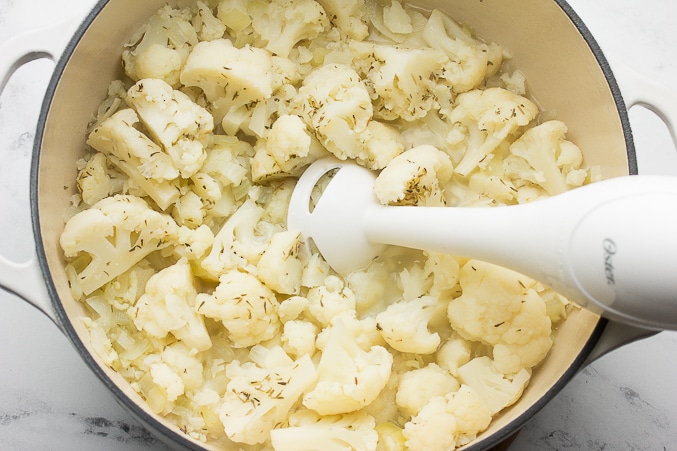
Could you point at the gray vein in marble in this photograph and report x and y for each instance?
(119, 431)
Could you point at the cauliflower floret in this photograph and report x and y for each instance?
(96, 181)
(554, 160)
(496, 390)
(292, 308)
(287, 22)
(378, 145)
(500, 307)
(186, 363)
(315, 271)
(364, 331)
(189, 210)
(298, 337)
(237, 244)
(160, 47)
(229, 75)
(174, 372)
(209, 27)
(417, 387)
(404, 325)
(261, 393)
(471, 412)
(348, 16)
(370, 286)
(330, 300)
(413, 281)
(280, 266)
(247, 308)
(168, 306)
(454, 353)
(403, 80)
(444, 270)
(113, 235)
(136, 155)
(228, 163)
(174, 120)
(470, 61)
(433, 429)
(390, 437)
(308, 431)
(447, 422)
(416, 177)
(194, 243)
(287, 150)
(492, 189)
(349, 378)
(488, 118)
(336, 104)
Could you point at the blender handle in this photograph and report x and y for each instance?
(638, 90)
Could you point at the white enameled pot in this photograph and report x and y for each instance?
(567, 73)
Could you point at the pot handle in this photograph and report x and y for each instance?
(638, 90)
(26, 279)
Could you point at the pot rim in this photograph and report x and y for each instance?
(164, 432)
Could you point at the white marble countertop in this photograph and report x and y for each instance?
(49, 400)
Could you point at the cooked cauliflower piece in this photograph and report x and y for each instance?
(404, 325)
(298, 337)
(174, 120)
(469, 61)
(349, 378)
(136, 155)
(287, 150)
(286, 22)
(168, 306)
(207, 25)
(308, 431)
(330, 300)
(349, 16)
(174, 371)
(235, 76)
(378, 145)
(261, 393)
(114, 235)
(364, 331)
(417, 387)
(160, 48)
(444, 270)
(487, 118)
(446, 422)
(454, 353)
(238, 244)
(554, 162)
(245, 306)
(280, 266)
(96, 181)
(496, 390)
(335, 103)
(403, 79)
(292, 308)
(416, 177)
(500, 308)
